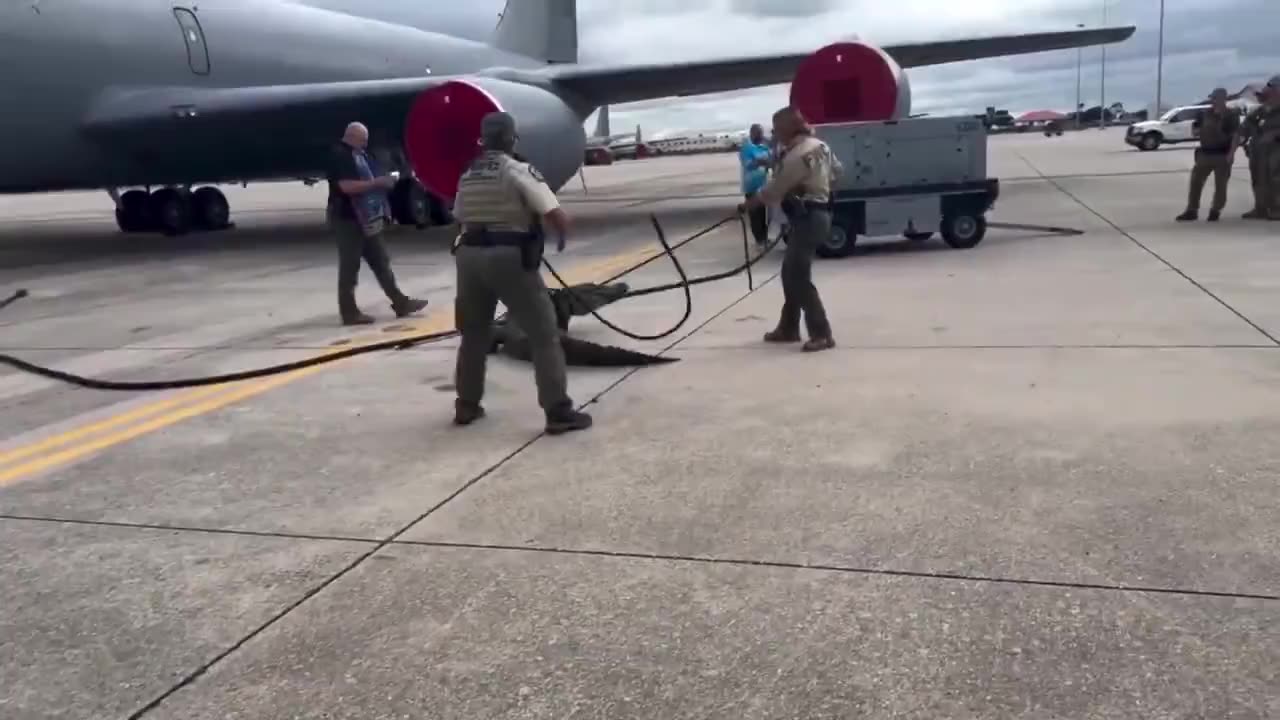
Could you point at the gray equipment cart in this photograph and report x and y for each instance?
(910, 178)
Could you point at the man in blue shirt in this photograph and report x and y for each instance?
(755, 158)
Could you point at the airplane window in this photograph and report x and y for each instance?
(197, 52)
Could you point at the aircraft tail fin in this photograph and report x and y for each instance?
(602, 123)
(543, 29)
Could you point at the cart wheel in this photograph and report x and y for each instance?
(962, 230)
(918, 236)
(839, 242)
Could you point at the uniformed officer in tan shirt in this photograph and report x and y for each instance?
(500, 206)
(1217, 127)
(802, 184)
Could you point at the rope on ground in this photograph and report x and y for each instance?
(397, 344)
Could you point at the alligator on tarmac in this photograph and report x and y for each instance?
(578, 300)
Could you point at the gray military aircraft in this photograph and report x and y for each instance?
(164, 95)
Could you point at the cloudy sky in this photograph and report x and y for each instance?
(1207, 43)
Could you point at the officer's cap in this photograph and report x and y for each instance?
(496, 127)
(1274, 82)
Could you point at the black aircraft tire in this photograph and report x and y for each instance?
(133, 214)
(440, 214)
(170, 210)
(410, 204)
(210, 209)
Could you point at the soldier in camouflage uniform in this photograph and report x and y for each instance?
(1218, 127)
(1260, 133)
(501, 204)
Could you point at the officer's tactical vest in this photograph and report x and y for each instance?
(488, 198)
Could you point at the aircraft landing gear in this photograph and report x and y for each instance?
(411, 204)
(132, 212)
(210, 209)
(172, 211)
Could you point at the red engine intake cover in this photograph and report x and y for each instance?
(847, 82)
(442, 133)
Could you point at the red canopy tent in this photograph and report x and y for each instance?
(1041, 116)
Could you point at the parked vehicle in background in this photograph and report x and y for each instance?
(1179, 125)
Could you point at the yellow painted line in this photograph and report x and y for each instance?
(207, 400)
(14, 474)
(53, 441)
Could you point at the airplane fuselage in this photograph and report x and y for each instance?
(59, 56)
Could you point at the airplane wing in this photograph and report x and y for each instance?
(603, 85)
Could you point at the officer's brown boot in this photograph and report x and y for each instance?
(1187, 216)
(781, 336)
(1254, 214)
(465, 413)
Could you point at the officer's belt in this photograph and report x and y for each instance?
(796, 206)
(484, 237)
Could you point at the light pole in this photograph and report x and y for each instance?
(1102, 92)
(1079, 67)
(1160, 64)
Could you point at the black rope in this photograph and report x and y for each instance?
(13, 298)
(399, 343)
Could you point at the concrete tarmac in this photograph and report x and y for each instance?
(1036, 479)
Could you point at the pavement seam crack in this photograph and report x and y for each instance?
(186, 528)
(848, 570)
(358, 561)
(1151, 252)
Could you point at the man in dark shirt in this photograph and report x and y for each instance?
(1217, 126)
(358, 212)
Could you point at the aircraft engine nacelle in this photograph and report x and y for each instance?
(442, 131)
(850, 82)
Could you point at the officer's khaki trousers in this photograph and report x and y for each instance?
(1208, 164)
(485, 276)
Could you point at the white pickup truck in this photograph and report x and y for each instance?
(1176, 126)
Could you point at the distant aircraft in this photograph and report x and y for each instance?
(687, 143)
(114, 94)
(623, 145)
